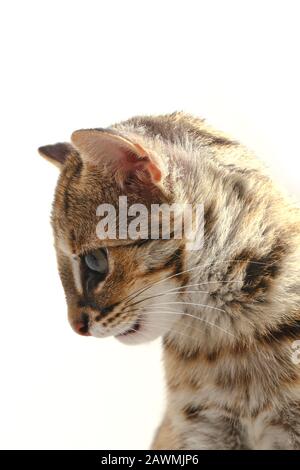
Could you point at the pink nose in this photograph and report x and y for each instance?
(82, 326)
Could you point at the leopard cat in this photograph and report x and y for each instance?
(228, 313)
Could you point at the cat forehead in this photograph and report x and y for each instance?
(66, 246)
(83, 195)
(82, 185)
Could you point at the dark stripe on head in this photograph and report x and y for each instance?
(175, 260)
(108, 308)
(71, 173)
(87, 303)
(210, 218)
(92, 304)
(141, 242)
(238, 188)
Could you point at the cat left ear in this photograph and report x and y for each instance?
(125, 157)
(56, 153)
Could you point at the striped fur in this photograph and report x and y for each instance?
(228, 331)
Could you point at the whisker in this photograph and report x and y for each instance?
(201, 284)
(175, 312)
(170, 293)
(167, 329)
(143, 289)
(165, 305)
(177, 291)
(185, 292)
(145, 321)
(172, 312)
(185, 303)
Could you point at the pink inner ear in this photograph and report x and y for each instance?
(134, 162)
(126, 157)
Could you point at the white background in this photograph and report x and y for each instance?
(70, 64)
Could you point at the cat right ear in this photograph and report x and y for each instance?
(56, 153)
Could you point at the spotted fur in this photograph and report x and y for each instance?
(228, 313)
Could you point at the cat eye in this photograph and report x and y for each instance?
(97, 261)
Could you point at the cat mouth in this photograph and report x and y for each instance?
(133, 329)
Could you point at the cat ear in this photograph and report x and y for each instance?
(125, 157)
(56, 153)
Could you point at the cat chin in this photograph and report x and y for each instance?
(138, 337)
(137, 333)
(142, 334)
(143, 331)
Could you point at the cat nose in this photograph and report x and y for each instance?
(81, 326)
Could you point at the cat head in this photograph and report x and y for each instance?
(118, 285)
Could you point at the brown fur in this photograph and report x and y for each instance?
(231, 380)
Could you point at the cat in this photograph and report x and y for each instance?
(228, 313)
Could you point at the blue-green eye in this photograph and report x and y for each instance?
(97, 261)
